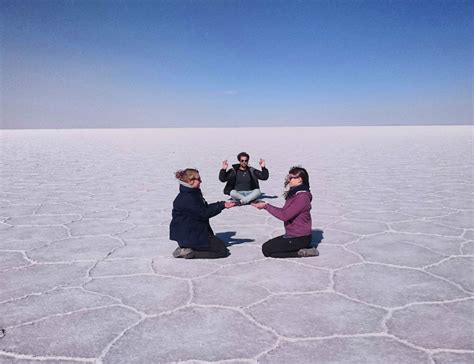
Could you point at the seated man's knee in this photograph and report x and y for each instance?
(234, 194)
(252, 195)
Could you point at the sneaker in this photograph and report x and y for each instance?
(310, 252)
(185, 253)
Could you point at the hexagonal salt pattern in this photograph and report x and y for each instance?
(316, 315)
(389, 286)
(446, 324)
(468, 248)
(396, 249)
(78, 334)
(198, 327)
(27, 237)
(457, 269)
(76, 249)
(370, 350)
(38, 278)
(146, 293)
(232, 292)
(280, 275)
(86, 272)
(10, 260)
(54, 302)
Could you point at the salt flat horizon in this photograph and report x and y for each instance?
(246, 127)
(87, 273)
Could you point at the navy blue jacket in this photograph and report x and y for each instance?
(191, 213)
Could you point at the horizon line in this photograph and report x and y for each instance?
(234, 127)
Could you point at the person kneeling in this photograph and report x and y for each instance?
(190, 220)
(296, 217)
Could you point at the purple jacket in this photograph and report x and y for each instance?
(295, 214)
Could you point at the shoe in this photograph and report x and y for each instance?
(310, 252)
(185, 253)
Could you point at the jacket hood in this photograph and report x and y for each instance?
(186, 189)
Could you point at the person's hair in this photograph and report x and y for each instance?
(186, 175)
(299, 172)
(243, 154)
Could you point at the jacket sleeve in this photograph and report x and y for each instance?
(224, 175)
(263, 174)
(200, 211)
(214, 209)
(291, 209)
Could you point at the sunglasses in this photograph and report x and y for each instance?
(289, 178)
(244, 160)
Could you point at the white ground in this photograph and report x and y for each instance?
(86, 272)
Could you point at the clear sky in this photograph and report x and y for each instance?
(180, 63)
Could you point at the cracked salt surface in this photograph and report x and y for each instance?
(86, 272)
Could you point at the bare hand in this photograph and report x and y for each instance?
(225, 164)
(261, 162)
(259, 205)
(229, 204)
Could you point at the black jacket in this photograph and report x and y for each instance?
(191, 213)
(229, 176)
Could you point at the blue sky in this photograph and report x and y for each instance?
(82, 64)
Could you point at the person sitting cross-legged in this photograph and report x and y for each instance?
(242, 179)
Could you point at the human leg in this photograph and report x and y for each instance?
(215, 250)
(236, 195)
(250, 195)
(281, 247)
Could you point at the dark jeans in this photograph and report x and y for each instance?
(281, 247)
(216, 249)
